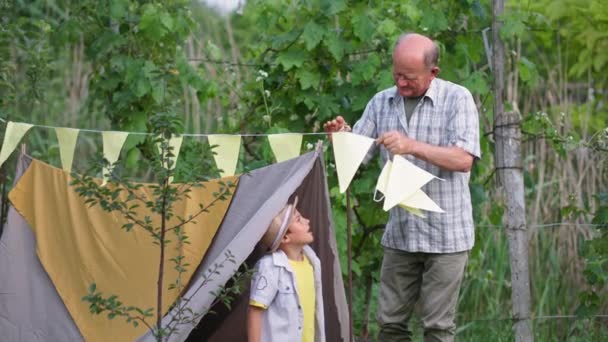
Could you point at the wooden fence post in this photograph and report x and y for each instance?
(507, 155)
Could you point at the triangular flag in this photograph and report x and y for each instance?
(413, 211)
(418, 200)
(226, 153)
(349, 151)
(403, 180)
(285, 146)
(14, 132)
(175, 143)
(383, 178)
(67, 143)
(112, 144)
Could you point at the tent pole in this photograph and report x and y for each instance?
(349, 262)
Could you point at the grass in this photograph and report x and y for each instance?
(484, 308)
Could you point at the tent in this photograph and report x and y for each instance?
(39, 256)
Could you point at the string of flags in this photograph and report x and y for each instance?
(400, 181)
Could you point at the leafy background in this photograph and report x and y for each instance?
(277, 66)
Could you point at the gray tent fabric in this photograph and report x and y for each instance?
(260, 195)
(314, 200)
(31, 309)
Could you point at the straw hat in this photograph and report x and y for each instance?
(278, 226)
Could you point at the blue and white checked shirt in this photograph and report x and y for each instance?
(445, 116)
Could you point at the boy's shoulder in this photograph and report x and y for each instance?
(274, 259)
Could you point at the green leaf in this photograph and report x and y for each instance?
(496, 212)
(150, 24)
(118, 8)
(105, 43)
(334, 44)
(312, 35)
(213, 50)
(476, 83)
(365, 69)
(387, 27)
(513, 25)
(158, 93)
(308, 78)
(527, 71)
(601, 217)
(167, 21)
(141, 87)
(363, 27)
(291, 58)
(434, 21)
(332, 7)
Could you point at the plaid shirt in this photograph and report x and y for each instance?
(445, 116)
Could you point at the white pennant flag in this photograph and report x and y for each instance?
(420, 200)
(112, 144)
(176, 144)
(413, 204)
(349, 151)
(226, 152)
(14, 132)
(67, 143)
(285, 146)
(403, 181)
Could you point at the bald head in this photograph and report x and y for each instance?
(414, 64)
(417, 46)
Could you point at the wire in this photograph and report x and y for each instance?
(532, 318)
(543, 225)
(184, 134)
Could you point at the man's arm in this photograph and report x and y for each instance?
(448, 158)
(254, 323)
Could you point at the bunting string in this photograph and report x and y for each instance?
(183, 134)
(349, 149)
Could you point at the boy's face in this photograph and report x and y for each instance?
(299, 232)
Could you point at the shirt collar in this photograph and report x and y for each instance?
(431, 93)
(279, 258)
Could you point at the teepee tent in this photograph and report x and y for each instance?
(49, 251)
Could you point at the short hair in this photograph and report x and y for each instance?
(431, 56)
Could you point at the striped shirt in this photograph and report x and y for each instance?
(446, 116)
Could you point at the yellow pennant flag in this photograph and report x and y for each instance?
(112, 144)
(175, 143)
(14, 132)
(226, 152)
(67, 143)
(285, 146)
(404, 179)
(349, 151)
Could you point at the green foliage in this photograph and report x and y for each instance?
(595, 252)
(304, 62)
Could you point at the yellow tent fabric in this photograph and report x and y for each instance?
(78, 245)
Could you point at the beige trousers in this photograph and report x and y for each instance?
(432, 280)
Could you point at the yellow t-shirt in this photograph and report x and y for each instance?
(305, 282)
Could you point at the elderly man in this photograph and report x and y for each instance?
(434, 124)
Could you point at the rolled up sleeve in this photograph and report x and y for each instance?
(263, 285)
(464, 126)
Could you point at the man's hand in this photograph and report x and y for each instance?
(336, 125)
(450, 158)
(397, 143)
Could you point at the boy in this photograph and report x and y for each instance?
(286, 303)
